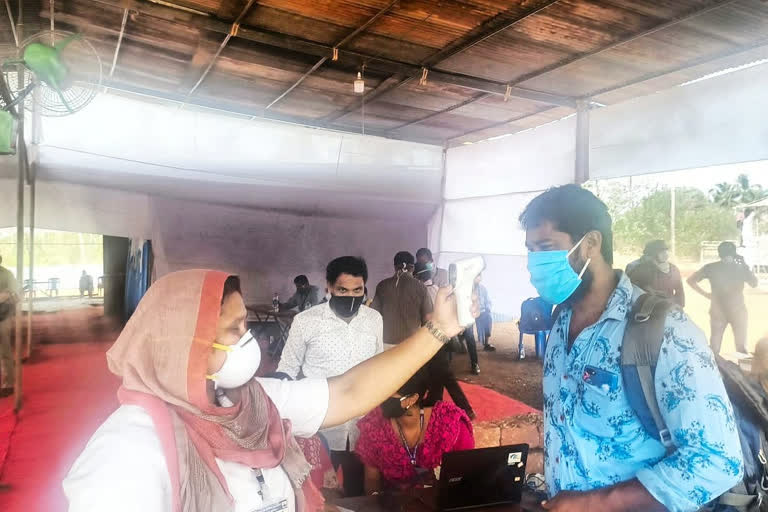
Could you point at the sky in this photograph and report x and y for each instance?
(706, 178)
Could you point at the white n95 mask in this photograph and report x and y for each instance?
(241, 363)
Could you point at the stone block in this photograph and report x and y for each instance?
(486, 435)
(524, 429)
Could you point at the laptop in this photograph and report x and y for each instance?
(482, 477)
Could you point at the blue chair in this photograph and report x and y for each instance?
(536, 319)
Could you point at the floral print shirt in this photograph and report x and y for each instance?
(594, 439)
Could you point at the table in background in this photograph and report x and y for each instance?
(265, 316)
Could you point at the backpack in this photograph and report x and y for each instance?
(640, 353)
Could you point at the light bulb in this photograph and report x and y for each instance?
(359, 84)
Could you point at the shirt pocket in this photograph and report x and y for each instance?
(367, 344)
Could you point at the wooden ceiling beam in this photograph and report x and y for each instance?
(254, 113)
(501, 123)
(698, 11)
(579, 57)
(486, 30)
(677, 69)
(338, 45)
(386, 85)
(372, 62)
(464, 103)
(233, 30)
(636, 81)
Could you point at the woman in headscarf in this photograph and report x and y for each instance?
(196, 432)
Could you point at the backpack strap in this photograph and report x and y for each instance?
(739, 501)
(639, 354)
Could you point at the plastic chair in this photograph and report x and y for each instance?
(536, 319)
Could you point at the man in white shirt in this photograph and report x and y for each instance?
(329, 339)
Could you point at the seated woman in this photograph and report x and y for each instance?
(196, 432)
(402, 442)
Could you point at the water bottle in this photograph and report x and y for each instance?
(276, 302)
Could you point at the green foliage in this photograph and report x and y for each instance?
(697, 219)
(741, 192)
(53, 248)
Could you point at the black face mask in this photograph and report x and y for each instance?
(345, 306)
(391, 408)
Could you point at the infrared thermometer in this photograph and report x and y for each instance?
(462, 276)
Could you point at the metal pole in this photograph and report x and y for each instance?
(31, 169)
(582, 142)
(672, 214)
(13, 25)
(17, 395)
(119, 42)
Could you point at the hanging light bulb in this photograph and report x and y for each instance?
(359, 83)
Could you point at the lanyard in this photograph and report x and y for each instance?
(412, 454)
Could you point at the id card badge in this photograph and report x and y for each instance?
(268, 504)
(277, 506)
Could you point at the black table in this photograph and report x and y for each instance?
(418, 500)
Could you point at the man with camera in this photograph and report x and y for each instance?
(726, 282)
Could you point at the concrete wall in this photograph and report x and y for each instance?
(267, 249)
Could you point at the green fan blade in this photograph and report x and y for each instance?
(45, 61)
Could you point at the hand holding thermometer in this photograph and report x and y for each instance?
(462, 276)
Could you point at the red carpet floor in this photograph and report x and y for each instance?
(68, 393)
(490, 405)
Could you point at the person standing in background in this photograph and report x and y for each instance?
(306, 295)
(656, 274)
(329, 339)
(8, 300)
(402, 300)
(483, 324)
(439, 275)
(86, 285)
(726, 282)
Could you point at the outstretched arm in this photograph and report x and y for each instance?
(368, 384)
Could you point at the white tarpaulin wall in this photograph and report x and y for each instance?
(265, 200)
(266, 248)
(722, 120)
(486, 188)
(716, 121)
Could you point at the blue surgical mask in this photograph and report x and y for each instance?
(552, 274)
(430, 266)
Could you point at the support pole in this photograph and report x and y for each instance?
(672, 227)
(582, 142)
(31, 169)
(20, 148)
(19, 256)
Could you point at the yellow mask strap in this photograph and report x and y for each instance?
(219, 346)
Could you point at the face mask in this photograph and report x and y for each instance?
(345, 306)
(430, 266)
(552, 274)
(241, 364)
(392, 407)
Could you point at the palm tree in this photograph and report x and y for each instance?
(739, 193)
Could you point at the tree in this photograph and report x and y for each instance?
(739, 193)
(697, 219)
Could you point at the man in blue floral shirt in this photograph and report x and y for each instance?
(598, 456)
